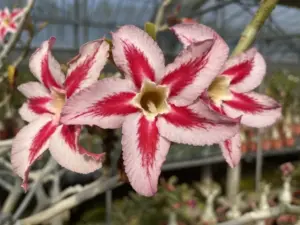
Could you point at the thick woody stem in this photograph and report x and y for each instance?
(88, 192)
(245, 41)
(160, 13)
(254, 26)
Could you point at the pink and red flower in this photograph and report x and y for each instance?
(154, 104)
(231, 94)
(9, 21)
(44, 105)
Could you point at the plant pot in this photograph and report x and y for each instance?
(244, 147)
(277, 144)
(267, 145)
(253, 146)
(289, 142)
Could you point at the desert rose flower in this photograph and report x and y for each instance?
(231, 93)
(154, 104)
(9, 21)
(43, 109)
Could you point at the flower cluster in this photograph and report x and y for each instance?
(8, 21)
(199, 99)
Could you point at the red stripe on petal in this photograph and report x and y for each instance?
(78, 75)
(16, 13)
(37, 104)
(185, 75)
(3, 31)
(69, 135)
(118, 104)
(247, 104)
(47, 77)
(239, 72)
(148, 140)
(13, 26)
(231, 149)
(185, 117)
(40, 139)
(138, 64)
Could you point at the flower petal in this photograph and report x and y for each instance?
(85, 70)
(16, 13)
(207, 100)
(12, 27)
(39, 101)
(30, 111)
(29, 144)
(44, 67)
(246, 70)
(144, 152)
(4, 13)
(256, 110)
(65, 150)
(192, 33)
(3, 33)
(103, 104)
(196, 125)
(191, 73)
(137, 55)
(231, 149)
(33, 89)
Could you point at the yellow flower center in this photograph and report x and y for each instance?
(219, 91)
(152, 100)
(58, 101)
(6, 21)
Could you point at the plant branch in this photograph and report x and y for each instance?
(12, 198)
(160, 13)
(14, 38)
(88, 192)
(48, 168)
(254, 26)
(264, 214)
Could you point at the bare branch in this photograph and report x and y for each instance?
(160, 13)
(4, 184)
(263, 214)
(12, 198)
(14, 38)
(50, 165)
(254, 26)
(5, 164)
(88, 192)
(69, 191)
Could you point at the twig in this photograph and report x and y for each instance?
(245, 41)
(160, 13)
(254, 26)
(12, 198)
(50, 165)
(5, 100)
(42, 200)
(88, 192)
(4, 163)
(6, 143)
(4, 184)
(69, 191)
(263, 214)
(14, 38)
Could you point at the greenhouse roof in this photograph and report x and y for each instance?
(74, 22)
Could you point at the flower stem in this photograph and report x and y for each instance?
(254, 26)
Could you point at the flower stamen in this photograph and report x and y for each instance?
(152, 100)
(219, 90)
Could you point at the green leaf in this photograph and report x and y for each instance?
(150, 29)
